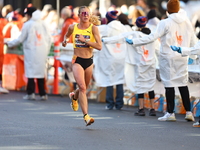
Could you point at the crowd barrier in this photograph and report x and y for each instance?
(13, 77)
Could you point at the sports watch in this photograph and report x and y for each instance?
(87, 40)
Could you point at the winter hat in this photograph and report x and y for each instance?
(173, 6)
(141, 21)
(111, 15)
(29, 10)
(151, 14)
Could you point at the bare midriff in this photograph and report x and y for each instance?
(83, 52)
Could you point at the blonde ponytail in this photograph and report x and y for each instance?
(95, 20)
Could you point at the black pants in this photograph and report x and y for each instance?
(31, 86)
(151, 95)
(170, 96)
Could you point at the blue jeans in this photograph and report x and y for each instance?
(119, 97)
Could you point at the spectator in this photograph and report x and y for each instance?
(36, 41)
(67, 16)
(152, 20)
(154, 6)
(13, 27)
(112, 59)
(185, 51)
(123, 18)
(143, 68)
(137, 12)
(75, 14)
(52, 22)
(124, 9)
(5, 10)
(97, 13)
(143, 5)
(45, 11)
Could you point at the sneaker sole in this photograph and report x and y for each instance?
(90, 122)
(196, 126)
(171, 120)
(167, 120)
(189, 119)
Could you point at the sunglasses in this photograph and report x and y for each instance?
(85, 13)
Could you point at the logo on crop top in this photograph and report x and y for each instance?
(79, 43)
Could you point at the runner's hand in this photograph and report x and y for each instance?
(64, 43)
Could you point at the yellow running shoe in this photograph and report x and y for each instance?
(74, 103)
(88, 120)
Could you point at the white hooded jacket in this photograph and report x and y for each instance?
(140, 66)
(109, 63)
(140, 70)
(36, 40)
(175, 30)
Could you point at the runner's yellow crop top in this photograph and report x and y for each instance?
(87, 33)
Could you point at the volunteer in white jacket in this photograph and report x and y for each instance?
(140, 68)
(140, 71)
(36, 40)
(109, 69)
(185, 51)
(175, 30)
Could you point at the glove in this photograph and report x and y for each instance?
(190, 61)
(129, 41)
(175, 48)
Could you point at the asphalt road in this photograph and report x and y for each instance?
(52, 125)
